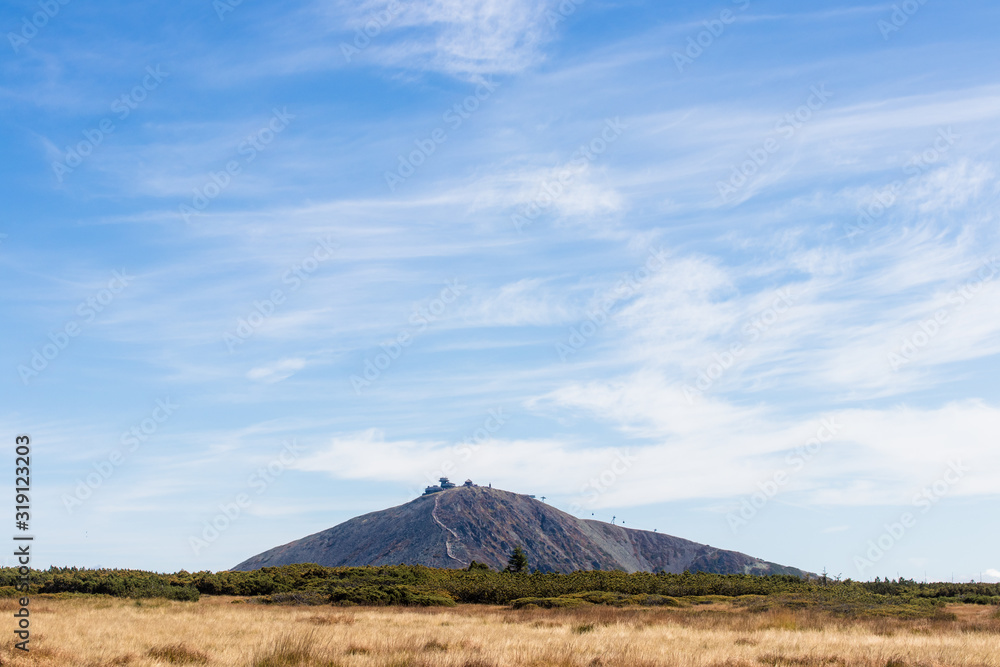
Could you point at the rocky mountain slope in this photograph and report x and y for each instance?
(453, 527)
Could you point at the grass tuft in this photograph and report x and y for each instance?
(177, 654)
(357, 650)
(288, 650)
(435, 645)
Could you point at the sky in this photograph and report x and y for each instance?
(723, 270)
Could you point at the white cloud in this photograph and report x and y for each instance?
(277, 371)
(951, 187)
(676, 452)
(516, 465)
(716, 449)
(525, 302)
(581, 192)
(828, 320)
(459, 37)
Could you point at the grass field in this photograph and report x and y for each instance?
(89, 631)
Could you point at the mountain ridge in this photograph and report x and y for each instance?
(455, 526)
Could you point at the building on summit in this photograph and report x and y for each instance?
(444, 484)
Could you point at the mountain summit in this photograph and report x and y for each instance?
(453, 526)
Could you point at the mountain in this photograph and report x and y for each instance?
(455, 526)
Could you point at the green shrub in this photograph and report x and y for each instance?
(418, 585)
(390, 595)
(980, 599)
(653, 600)
(549, 603)
(301, 598)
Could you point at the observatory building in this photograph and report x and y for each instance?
(443, 485)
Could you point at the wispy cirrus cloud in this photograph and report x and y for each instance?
(464, 39)
(276, 372)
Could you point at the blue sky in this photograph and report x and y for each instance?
(724, 270)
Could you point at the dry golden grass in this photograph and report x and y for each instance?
(93, 632)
